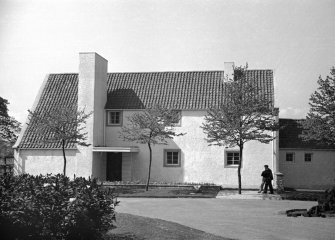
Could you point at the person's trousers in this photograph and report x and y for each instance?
(268, 184)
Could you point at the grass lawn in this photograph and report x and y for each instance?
(166, 192)
(132, 227)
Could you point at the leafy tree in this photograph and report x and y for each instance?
(152, 126)
(320, 121)
(245, 115)
(62, 125)
(9, 129)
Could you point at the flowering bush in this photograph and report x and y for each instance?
(54, 207)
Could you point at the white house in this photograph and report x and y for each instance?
(113, 97)
(305, 164)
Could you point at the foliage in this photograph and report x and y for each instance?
(53, 207)
(62, 125)
(247, 114)
(9, 129)
(152, 126)
(320, 121)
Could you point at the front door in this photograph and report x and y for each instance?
(114, 166)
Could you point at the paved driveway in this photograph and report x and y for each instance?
(237, 219)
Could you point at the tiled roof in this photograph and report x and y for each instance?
(60, 90)
(177, 90)
(290, 130)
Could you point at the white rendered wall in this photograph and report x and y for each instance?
(200, 163)
(317, 174)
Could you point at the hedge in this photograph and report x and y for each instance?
(54, 207)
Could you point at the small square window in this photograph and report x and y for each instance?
(172, 158)
(290, 157)
(308, 157)
(232, 158)
(114, 118)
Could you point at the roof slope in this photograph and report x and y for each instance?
(177, 90)
(289, 132)
(60, 90)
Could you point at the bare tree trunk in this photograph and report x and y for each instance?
(147, 186)
(239, 170)
(64, 157)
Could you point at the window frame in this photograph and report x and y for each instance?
(165, 163)
(108, 112)
(311, 157)
(293, 157)
(226, 159)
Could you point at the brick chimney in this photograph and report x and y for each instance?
(228, 71)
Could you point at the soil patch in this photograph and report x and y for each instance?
(166, 192)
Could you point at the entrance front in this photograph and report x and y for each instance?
(114, 166)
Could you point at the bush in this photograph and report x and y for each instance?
(53, 207)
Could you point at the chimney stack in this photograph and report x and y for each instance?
(92, 97)
(228, 71)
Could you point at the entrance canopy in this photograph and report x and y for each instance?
(116, 149)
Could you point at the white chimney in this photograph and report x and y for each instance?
(228, 71)
(92, 97)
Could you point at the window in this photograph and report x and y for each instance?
(308, 157)
(114, 118)
(171, 158)
(233, 158)
(289, 157)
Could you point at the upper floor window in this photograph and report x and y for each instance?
(114, 118)
(232, 158)
(308, 157)
(290, 157)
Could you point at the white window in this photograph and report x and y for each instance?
(114, 118)
(232, 158)
(290, 157)
(172, 158)
(308, 157)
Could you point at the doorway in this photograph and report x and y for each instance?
(114, 166)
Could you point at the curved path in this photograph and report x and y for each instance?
(237, 219)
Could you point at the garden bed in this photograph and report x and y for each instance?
(302, 195)
(164, 190)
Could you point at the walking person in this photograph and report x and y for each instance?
(267, 175)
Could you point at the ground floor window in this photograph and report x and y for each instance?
(232, 158)
(172, 158)
(308, 157)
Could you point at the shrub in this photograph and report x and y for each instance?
(54, 207)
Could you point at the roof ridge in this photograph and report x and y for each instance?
(146, 72)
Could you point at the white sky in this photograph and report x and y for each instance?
(295, 38)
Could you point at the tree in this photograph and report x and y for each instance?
(246, 114)
(9, 129)
(320, 121)
(152, 126)
(63, 125)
